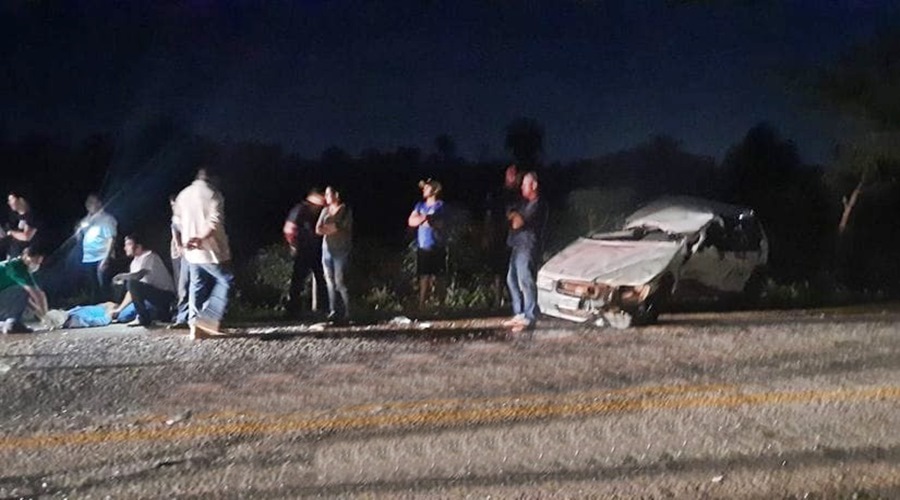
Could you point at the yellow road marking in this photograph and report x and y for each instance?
(498, 410)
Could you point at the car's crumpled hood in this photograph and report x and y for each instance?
(618, 263)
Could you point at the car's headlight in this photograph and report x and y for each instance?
(545, 283)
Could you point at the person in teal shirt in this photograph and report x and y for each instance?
(18, 290)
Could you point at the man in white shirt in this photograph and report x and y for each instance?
(97, 233)
(150, 286)
(199, 211)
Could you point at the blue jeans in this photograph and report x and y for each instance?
(182, 288)
(520, 280)
(335, 266)
(209, 302)
(97, 282)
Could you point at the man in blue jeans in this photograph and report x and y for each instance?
(199, 214)
(526, 224)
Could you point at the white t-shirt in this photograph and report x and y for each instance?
(157, 275)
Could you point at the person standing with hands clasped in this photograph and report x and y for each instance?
(200, 212)
(526, 224)
(431, 253)
(335, 225)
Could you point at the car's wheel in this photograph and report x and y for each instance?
(647, 313)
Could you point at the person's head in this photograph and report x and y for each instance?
(431, 187)
(33, 257)
(332, 196)
(511, 176)
(17, 203)
(133, 245)
(530, 185)
(315, 197)
(202, 174)
(93, 203)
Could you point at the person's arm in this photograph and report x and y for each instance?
(37, 299)
(126, 301)
(212, 224)
(416, 218)
(324, 228)
(108, 226)
(123, 277)
(25, 234)
(176, 240)
(516, 221)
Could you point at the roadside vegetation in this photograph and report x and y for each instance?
(833, 230)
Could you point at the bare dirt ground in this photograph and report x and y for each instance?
(790, 404)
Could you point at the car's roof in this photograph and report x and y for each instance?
(682, 214)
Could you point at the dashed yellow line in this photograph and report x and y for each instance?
(453, 413)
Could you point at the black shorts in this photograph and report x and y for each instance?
(431, 262)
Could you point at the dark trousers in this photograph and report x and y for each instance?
(151, 303)
(182, 286)
(13, 301)
(95, 281)
(306, 262)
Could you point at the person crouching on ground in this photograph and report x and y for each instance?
(18, 290)
(335, 225)
(431, 253)
(149, 284)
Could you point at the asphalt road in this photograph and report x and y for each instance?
(800, 404)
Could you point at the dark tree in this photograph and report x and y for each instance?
(864, 85)
(525, 141)
(445, 148)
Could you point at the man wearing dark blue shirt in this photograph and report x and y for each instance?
(526, 224)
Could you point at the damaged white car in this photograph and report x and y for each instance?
(677, 247)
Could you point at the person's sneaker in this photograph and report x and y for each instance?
(515, 321)
(11, 325)
(133, 323)
(177, 326)
(205, 328)
(522, 326)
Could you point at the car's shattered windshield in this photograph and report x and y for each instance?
(643, 233)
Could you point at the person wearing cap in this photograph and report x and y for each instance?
(306, 249)
(431, 253)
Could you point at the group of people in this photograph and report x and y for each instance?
(318, 231)
(201, 263)
(514, 227)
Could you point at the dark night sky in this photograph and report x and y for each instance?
(599, 75)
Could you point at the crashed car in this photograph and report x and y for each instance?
(677, 247)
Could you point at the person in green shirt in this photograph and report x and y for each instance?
(18, 290)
